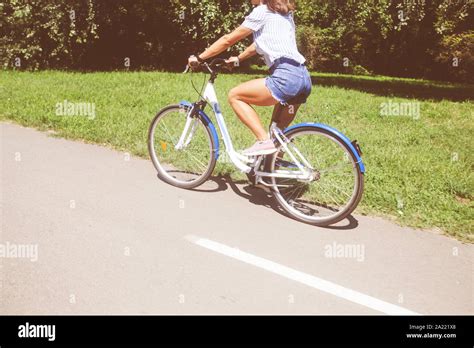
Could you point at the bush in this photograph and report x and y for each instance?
(456, 57)
(357, 37)
(324, 51)
(360, 70)
(320, 48)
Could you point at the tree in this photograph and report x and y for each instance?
(415, 38)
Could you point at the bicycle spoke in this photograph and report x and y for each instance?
(167, 131)
(330, 169)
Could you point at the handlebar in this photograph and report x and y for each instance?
(215, 63)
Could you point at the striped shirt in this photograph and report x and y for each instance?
(274, 34)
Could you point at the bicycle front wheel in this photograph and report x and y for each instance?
(336, 184)
(181, 149)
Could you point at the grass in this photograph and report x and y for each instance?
(419, 170)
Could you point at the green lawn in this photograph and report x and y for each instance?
(419, 169)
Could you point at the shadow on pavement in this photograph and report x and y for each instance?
(260, 197)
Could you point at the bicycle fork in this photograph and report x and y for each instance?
(185, 138)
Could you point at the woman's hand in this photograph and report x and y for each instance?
(233, 61)
(193, 62)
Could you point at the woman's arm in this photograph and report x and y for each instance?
(248, 53)
(224, 43)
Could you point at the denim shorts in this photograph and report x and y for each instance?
(289, 82)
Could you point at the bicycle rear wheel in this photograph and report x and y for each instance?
(187, 163)
(336, 185)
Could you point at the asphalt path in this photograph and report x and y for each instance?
(89, 230)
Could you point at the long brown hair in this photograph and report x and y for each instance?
(280, 6)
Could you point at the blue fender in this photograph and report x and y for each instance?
(336, 133)
(208, 123)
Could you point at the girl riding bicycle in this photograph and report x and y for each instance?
(289, 83)
(314, 171)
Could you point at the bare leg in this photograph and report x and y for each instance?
(256, 93)
(284, 115)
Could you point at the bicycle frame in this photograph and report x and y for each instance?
(242, 162)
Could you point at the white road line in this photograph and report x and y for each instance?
(303, 278)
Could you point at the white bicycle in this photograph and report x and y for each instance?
(317, 174)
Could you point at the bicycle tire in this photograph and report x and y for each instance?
(162, 174)
(359, 182)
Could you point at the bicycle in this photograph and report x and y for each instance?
(316, 175)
